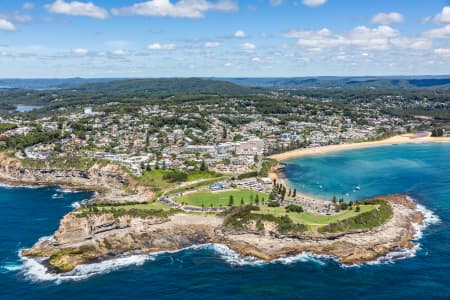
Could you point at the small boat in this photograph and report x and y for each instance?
(358, 187)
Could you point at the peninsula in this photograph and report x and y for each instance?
(188, 161)
(126, 218)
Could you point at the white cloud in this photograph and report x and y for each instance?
(240, 34)
(119, 52)
(76, 8)
(314, 3)
(28, 5)
(388, 18)
(7, 25)
(412, 43)
(442, 52)
(377, 38)
(180, 9)
(248, 46)
(444, 16)
(158, 46)
(438, 33)
(212, 44)
(80, 52)
(228, 65)
(256, 59)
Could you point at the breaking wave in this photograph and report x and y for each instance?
(429, 218)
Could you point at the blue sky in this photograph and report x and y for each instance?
(223, 38)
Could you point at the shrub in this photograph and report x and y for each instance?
(273, 204)
(294, 208)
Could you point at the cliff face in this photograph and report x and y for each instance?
(82, 240)
(109, 180)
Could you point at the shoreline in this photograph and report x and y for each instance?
(181, 231)
(398, 139)
(304, 152)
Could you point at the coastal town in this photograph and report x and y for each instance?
(230, 138)
(177, 172)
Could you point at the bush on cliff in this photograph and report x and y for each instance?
(239, 217)
(366, 220)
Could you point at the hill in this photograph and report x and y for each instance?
(399, 82)
(167, 86)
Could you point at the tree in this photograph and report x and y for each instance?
(203, 167)
(242, 201)
(295, 193)
(231, 201)
(357, 209)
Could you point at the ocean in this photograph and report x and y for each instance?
(214, 272)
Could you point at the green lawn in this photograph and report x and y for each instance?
(217, 199)
(154, 178)
(312, 219)
(198, 184)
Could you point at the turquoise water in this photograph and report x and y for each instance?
(215, 273)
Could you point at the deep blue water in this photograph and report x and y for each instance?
(421, 170)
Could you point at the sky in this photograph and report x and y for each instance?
(223, 38)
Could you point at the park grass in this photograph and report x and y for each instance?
(154, 178)
(198, 184)
(217, 199)
(315, 220)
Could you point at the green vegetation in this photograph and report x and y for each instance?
(239, 218)
(267, 164)
(20, 142)
(206, 198)
(195, 185)
(294, 208)
(73, 162)
(363, 219)
(152, 209)
(161, 180)
(315, 220)
(7, 126)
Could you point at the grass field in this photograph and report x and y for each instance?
(312, 219)
(154, 178)
(217, 199)
(198, 184)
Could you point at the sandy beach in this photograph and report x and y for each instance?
(399, 139)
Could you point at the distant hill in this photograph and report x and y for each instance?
(47, 84)
(413, 82)
(167, 86)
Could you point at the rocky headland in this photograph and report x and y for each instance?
(110, 181)
(81, 240)
(84, 238)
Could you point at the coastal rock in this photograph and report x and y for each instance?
(98, 237)
(112, 183)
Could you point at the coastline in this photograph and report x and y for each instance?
(410, 138)
(399, 139)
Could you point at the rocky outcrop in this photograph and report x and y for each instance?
(83, 240)
(111, 182)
